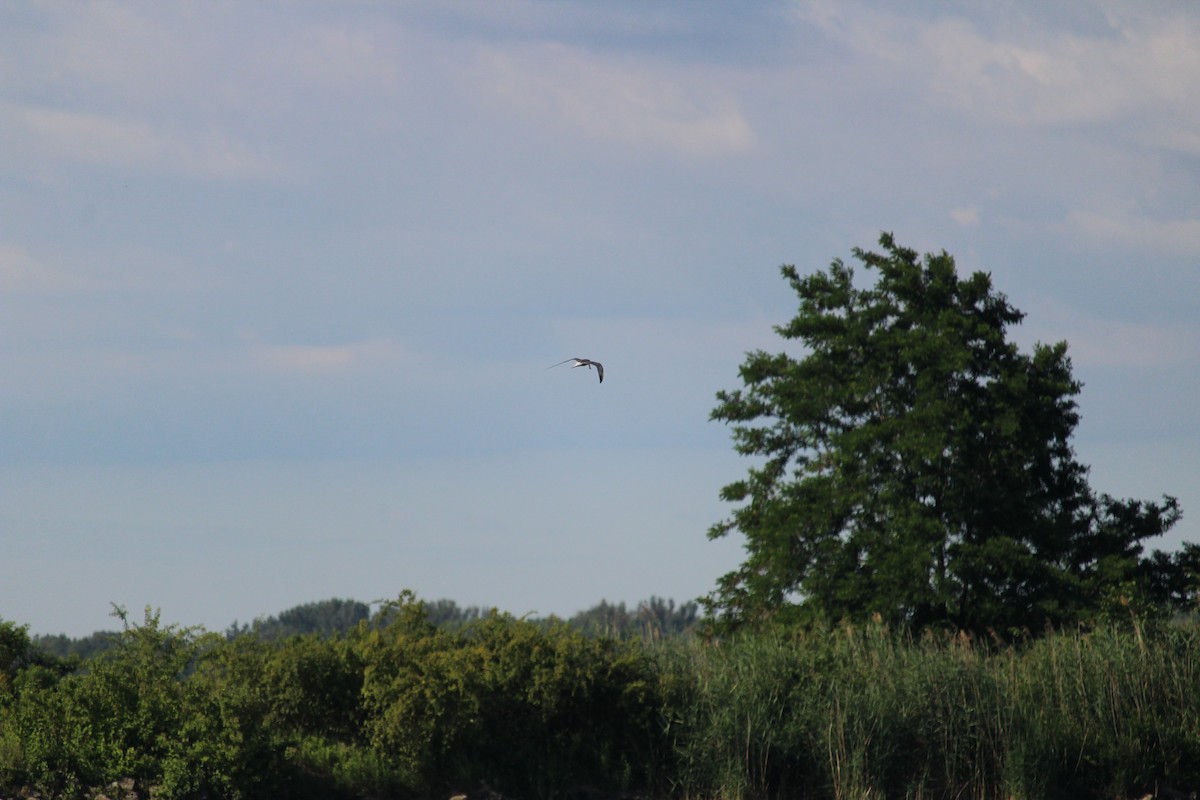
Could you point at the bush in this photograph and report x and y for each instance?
(528, 708)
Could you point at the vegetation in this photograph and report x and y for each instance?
(399, 707)
(914, 464)
(653, 618)
(325, 618)
(867, 713)
(935, 604)
(396, 706)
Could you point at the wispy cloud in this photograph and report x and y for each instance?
(338, 56)
(1131, 340)
(635, 105)
(1115, 343)
(114, 141)
(1030, 76)
(1179, 236)
(968, 216)
(22, 273)
(324, 358)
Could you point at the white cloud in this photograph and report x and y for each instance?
(1069, 78)
(22, 273)
(216, 92)
(204, 54)
(1180, 236)
(968, 216)
(1180, 139)
(563, 86)
(1113, 343)
(326, 358)
(114, 141)
(113, 45)
(1064, 80)
(1030, 75)
(1097, 341)
(339, 57)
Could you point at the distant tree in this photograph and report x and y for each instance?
(19, 651)
(652, 619)
(1174, 579)
(85, 647)
(660, 617)
(323, 618)
(16, 653)
(912, 463)
(447, 613)
(14, 645)
(602, 619)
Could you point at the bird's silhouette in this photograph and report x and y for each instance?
(583, 362)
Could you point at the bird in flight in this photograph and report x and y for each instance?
(583, 362)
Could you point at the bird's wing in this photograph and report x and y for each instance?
(599, 369)
(559, 364)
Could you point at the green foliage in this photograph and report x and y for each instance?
(864, 712)
(136, 697)
(233, 740)
(560, 708)
(57, 750)
(115, 720)
(652, 619)
(404, 708)
(65, 647)
(142, 712)
(1108, 714)
(526, 707)
(324, 618)
(447, 614)
(314, 685)
(914, 464)
(15, 653)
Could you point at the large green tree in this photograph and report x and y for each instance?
(911, 462)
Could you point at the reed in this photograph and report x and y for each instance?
(865, 712)
(1110, 713)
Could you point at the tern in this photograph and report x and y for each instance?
(583, 362)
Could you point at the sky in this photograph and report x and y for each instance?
(280, 281)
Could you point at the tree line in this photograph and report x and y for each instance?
(653, 618)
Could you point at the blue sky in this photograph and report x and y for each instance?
(279, 281)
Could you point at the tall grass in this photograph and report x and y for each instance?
(856, 713)
(1108, 714)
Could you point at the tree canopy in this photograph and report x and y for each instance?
(912, 463)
